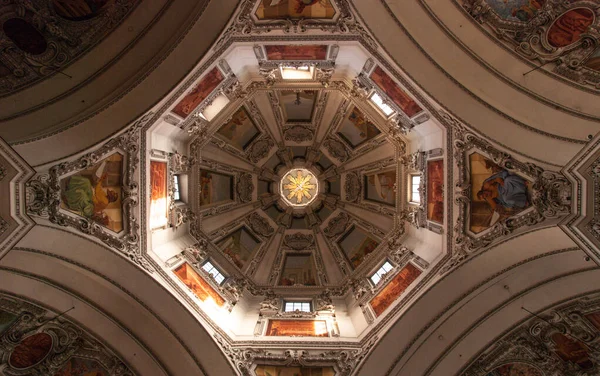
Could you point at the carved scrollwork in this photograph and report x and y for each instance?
(299, 241)
(67, 341)
(352, 186)
(260, 148)
(298, 133)
(245, 187)
(260, 225)
(336, 149)
(337, 225)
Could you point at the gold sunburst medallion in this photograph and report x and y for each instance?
(299, 187)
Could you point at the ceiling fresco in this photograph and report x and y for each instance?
(559, 341)
(299, 189)
(40, 38)
(35, 342)
(560, 34)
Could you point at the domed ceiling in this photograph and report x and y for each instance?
(297, 192)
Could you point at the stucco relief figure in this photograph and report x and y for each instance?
(567, 29)
(95, 193)
(498, 194)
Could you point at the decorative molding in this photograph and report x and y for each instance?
(299, 241)
(44, 194)
(68, 341)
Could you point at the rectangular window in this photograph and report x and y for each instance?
(378, 101)
(386, 267)
(297, 306)
(214, 272)
(415, 182)
(303, 72)
(176, 186)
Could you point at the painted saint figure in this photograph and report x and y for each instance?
(89, 199)
(503, 190)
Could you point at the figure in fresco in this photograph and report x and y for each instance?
(89, 198)
(516, 10)
(503, 190)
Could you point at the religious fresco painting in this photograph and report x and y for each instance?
(298, 269)
(240, 131)
(381, 187)
(356, 129)
(25, 36)
(296, 52)
(199, 93)
(79, 10)
(496, 193)
(264, 370)
(284, 9)
(158, 198)
(572, 351)
(396, 94)
(240, 245)
(298, 107)
(435, 191)
(356, 245)
(568, 28)
(394, 288)
(31, 351)
(594, 318)
(197, 284)
(82, 367)
(297, 328)
(516, 10)
(515, 369)
(6, 320)
(95, 193)
(215, 188)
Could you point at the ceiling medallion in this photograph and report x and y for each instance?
(299, 187)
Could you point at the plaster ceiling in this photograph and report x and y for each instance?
(349, 99)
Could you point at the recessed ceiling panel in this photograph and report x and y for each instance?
(298, 106)
(240, 131)
(284, 9)
(356, 129)
(296, 52)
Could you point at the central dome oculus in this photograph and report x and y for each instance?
(299, 187)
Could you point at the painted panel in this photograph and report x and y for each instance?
(95, 193)
(594, 319)
(396, 94)
(567, 28)
(215, 188)
(158, 187)
(357, 244)
(199, 93)
(381, 187)
(240, 131)
(296, 52)
(435, 191)
(240, 245)
(297, 328)
(298, 270)
(496, 193)
(31, 351)
(356, 129)
(572, 351)
(197, 284)
(78, 10)
(82, 367)
(25, 36)
(298, 107)
(6, 320)
(516, 369)
(394, 288)
(284, 9)
(516, 10)
(263, 370)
